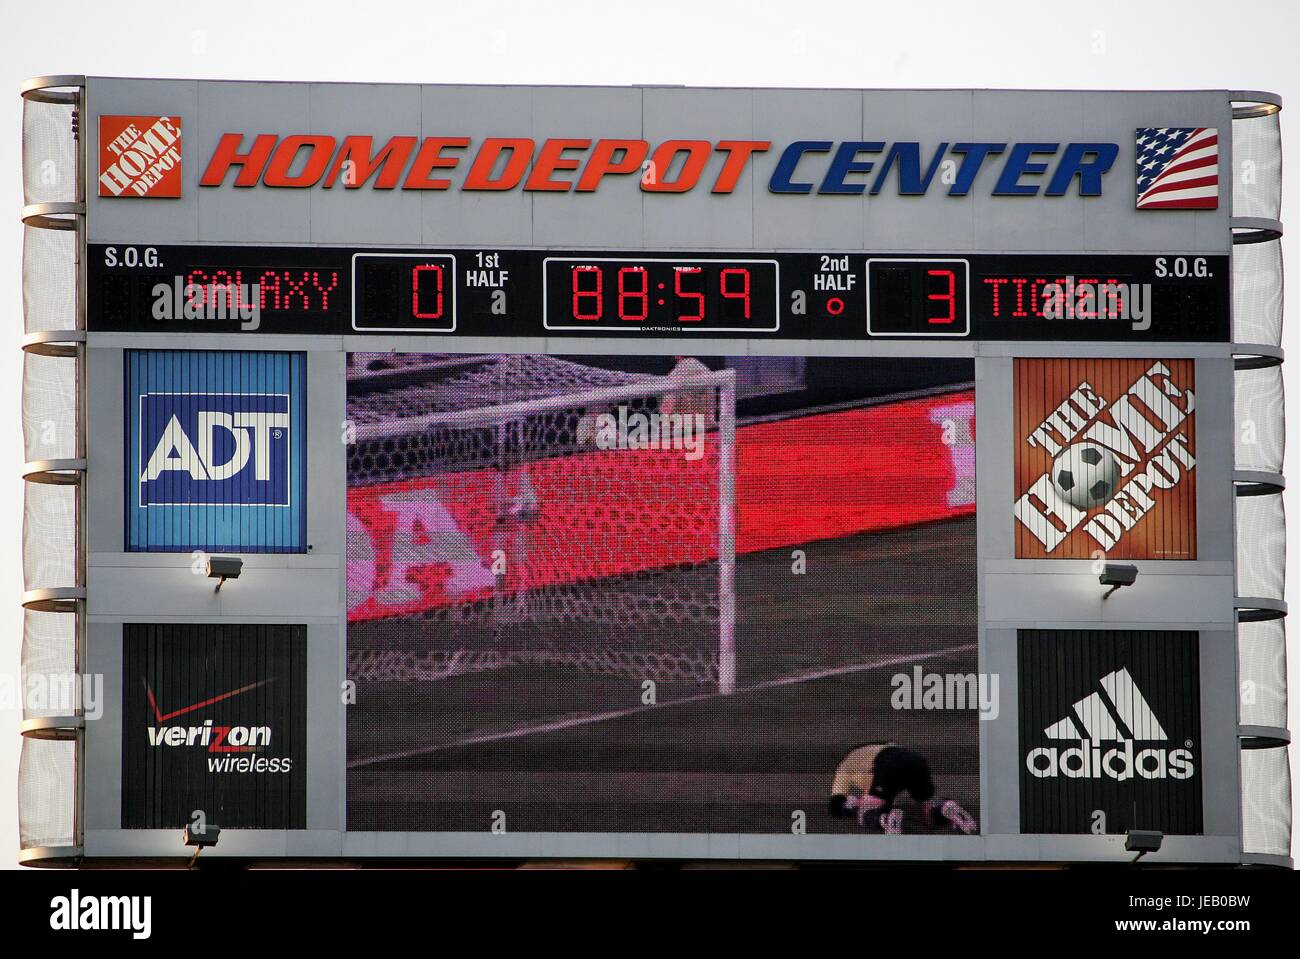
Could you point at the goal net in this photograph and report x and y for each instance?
(527, 510)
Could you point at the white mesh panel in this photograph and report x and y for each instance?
(1261, 546)
(47, 793)
(49, 407)
(1257, 166)
(49, 536)
(1266, 802)
(49, 664)
(49, 280)
(1261, 657)
(1261, 419)
(49, 153)
(1257, 293)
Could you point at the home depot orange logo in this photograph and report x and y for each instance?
(139, 156)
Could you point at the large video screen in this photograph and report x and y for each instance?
(673, 594)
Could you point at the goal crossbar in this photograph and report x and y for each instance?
(508, 412)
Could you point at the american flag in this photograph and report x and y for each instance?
(1177, 168)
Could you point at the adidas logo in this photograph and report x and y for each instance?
(1116, 713)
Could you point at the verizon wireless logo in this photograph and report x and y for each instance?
(1116, 713)
(139, 156)
(232, 748)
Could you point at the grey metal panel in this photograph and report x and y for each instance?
(995, 443)
(325, 456)
(120, 584)
(1000, 737)
(908, 222)
(454, 217)
(701, 218)
(813, 221)
(612, 215)
(326, 724)
(1169, 593)
(1156, 230)
(103, 520)
(1075, 596)
(178, 590)
(1215, 438)
(1050, 594)
(269, 844)
(130, 220)
(1036, 222)
(1221, 756)
(230, 214)
(664, 346)
(104, 734)
(212, 341)
(696, 220)
(364, 214)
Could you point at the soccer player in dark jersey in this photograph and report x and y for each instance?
(869, 779)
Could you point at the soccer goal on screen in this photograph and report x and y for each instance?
(527, 510)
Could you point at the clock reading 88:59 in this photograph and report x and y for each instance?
(626, 294)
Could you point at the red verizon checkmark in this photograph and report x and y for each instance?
(161, 717)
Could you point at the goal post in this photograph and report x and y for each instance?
(585, 521)
(727, 536)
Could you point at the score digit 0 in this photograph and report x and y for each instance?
(404, 292)
(429, 305)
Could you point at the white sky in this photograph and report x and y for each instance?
(1124, 45)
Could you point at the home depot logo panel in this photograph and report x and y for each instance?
(1106, 459)
(139, 156)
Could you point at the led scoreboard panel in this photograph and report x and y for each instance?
(645, 458)
(819, 296)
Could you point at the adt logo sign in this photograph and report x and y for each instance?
(216, 448)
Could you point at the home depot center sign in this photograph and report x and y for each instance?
(559, 164)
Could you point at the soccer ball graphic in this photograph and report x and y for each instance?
(1085, 475)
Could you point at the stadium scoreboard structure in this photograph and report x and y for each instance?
(652, 473)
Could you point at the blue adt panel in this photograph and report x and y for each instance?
(216, 451)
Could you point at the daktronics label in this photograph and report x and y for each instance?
(558, 165)
(1105, 459)
(214, 719)
(1109, 731)
(215, 445)
(139, 156)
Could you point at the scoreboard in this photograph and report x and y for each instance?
(517, 473)
(777, 295)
